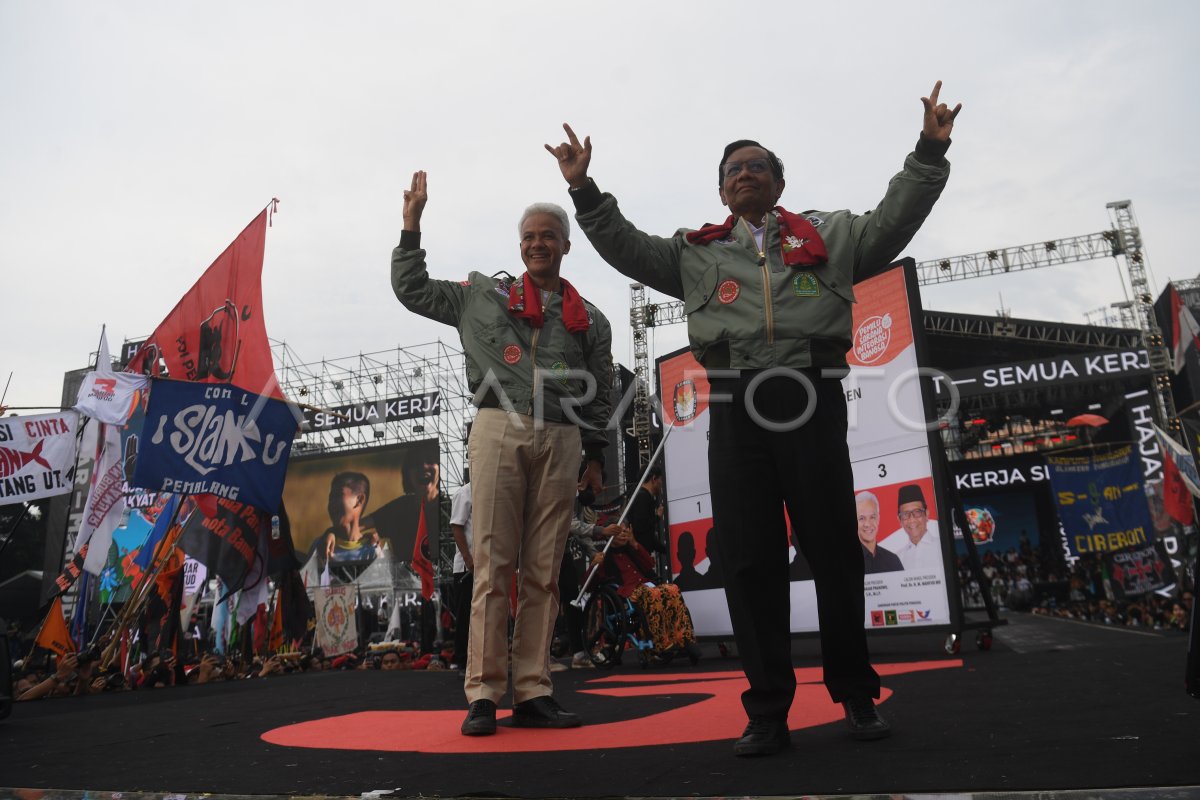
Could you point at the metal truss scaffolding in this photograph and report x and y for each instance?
(381, 375)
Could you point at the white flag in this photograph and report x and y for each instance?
(106, 501)
(109, 396)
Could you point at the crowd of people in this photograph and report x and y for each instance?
(1024, 579)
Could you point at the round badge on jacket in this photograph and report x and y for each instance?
(512, 354)
(728, 291)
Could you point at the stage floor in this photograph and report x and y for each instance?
(1054, 706)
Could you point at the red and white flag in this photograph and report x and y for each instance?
(1185, 331)
(106, 499)
(216, 333)
(108, 396)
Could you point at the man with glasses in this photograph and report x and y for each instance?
(768, 296)
(914, 542)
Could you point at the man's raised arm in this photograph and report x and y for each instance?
(439, 300)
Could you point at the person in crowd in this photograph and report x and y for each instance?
(770, 289)
(645, 511)
(464, 570)
(539, 365)
(875, 558)
(390, 660)
(582, 539)
(916, 541)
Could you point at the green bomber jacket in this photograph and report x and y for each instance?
(743, 314)
(507, 359)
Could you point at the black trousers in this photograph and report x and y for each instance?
(463, 585)
(568, 589)
(754, 472)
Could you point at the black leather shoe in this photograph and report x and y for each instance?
(864, 720)
(481, 719)
(763, 736)
(543, 712)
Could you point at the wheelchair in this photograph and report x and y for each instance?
(613, 624)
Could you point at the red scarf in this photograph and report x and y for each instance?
(574, 314)
(798, 239)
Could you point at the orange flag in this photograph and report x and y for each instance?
(53, 635)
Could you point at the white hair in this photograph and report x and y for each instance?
(861, 496)
(553, 210)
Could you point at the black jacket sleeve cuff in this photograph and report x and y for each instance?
(587, 197)
(410, 240)
(930, 152)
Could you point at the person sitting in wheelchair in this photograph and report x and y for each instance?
(630, 567)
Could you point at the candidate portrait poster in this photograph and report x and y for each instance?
(890, 455)
(355, 514)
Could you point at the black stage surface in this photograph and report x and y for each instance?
(1053, 706)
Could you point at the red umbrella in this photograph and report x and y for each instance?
(1090, 420)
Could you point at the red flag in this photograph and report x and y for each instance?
(1177, 500)
(54, 635)
(420, 556)
(1185, 332)
(262, 629)
(216, 333)
(275, 640)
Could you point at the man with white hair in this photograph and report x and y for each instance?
(875, 558)
(539, 365)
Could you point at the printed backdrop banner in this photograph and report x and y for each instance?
(37, 456)
(215, 439)
(889, 452)
(1101, 501)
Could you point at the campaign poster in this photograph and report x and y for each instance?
(903, 531)
(355, 514)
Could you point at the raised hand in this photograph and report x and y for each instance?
(573, 157)
(939, 119)
(414, 201)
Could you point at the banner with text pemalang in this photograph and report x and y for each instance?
(890, 452)
(1101, 501)
(37, 456)
(215, 439)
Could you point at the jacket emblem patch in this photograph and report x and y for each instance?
(728, 291)
(805, 285)
(512, 354)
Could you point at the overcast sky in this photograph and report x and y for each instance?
(140, 138)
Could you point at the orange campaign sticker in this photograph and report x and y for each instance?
(728, 291)
(882, 326)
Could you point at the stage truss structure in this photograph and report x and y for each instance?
(381, 375)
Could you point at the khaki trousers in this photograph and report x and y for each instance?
(523, 480)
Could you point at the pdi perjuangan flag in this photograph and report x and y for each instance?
(216, 333)
(1182, 458)
(37, 456)
(215, 439)
(1101, 501)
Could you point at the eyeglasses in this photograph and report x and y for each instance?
(755, 166)
(913, 514)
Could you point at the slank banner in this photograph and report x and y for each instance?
(216, 333)
(37, 456)
(890, 455)
(1101, 501)
(215, 439)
